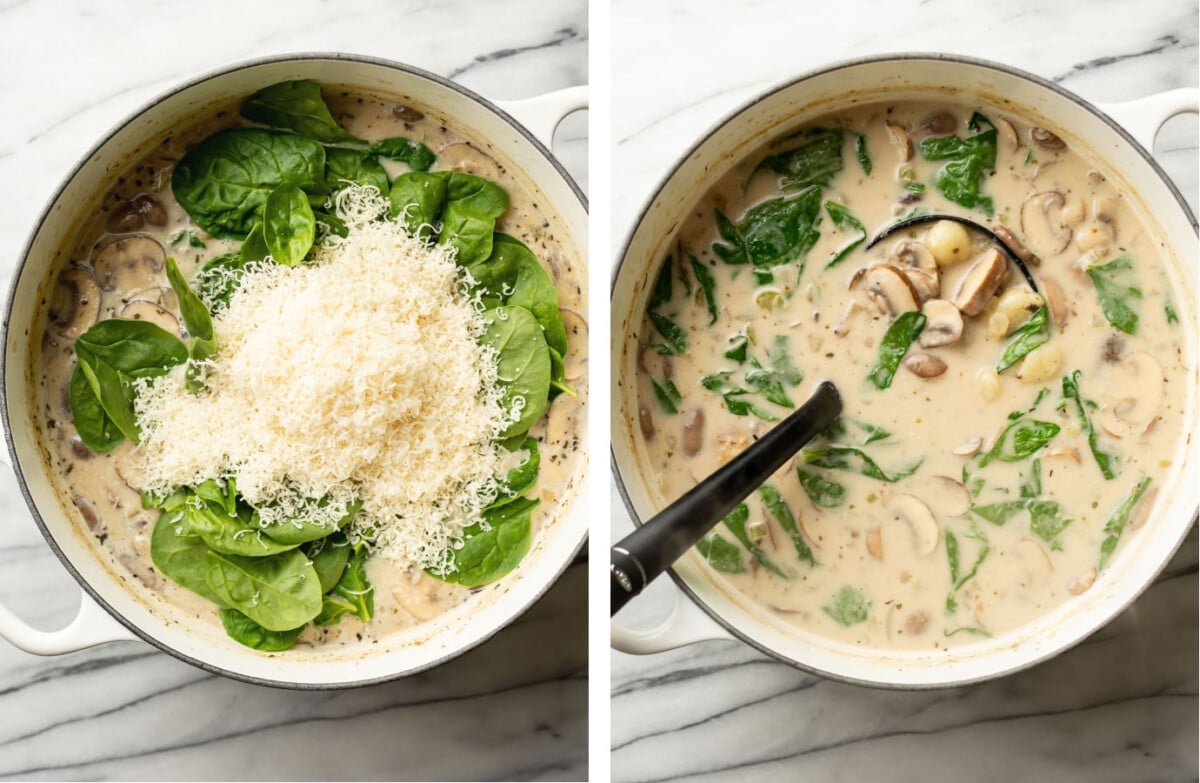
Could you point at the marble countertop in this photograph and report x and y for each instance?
(514, 708)
(1121, 706)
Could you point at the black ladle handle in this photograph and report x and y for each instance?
(648, 551)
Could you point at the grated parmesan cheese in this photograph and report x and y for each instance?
(355, 377)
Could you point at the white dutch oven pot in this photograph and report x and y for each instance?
(716, 613)
(111, 611)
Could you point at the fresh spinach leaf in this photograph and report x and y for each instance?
(1029, 335)
(245, 631)
(420, 197)
(1115, 525)
(721, 555)
(854, 459)
(821, 491)
(230, 534)
(254, 248)
(300, 531)
(280, 592)
(899, 336)
(329, 557)
(414, 153)
(735, 521)
(355, 588)
(135, 348)
(95, 428)
(775, 232)
(493, 547)
(333, 608)
(297, 106)
(520, 479)
(180, 555)
(1116, 294)
(223, 182)
(512, 275)
(708, 285)
(523, 364)
(1104, 460)
(849, 607)
(1020, 439)
(469, 217)
(667, 394)
(778, 508)
(671, 332)
(219, 278)
(195, 314)
(960, 179)
(344, 165)
(289, 228)
(841, 216)
(815, 162)
(111, 390)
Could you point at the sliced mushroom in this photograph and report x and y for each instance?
(1037, 566)
(75, 303)
(575, 362)
(969, 448)
(1016, 245)
(980, 283)
(913, 254)
(468, 158)
(940, 123)
(143, 310)
(1064, 452)
(900, 141)
(943, 323)
(406, 113)
(1042, 224)
(1047, 140)
(418, 597)
(693, 431)
(135, 214)
(87, 512)
(947, 496)
(875, 542)
(1008, 133)
(1140, 386)
(843, 326)
(916, 623)
(646, 422)
(1082, 582)
(1056, 301)
(924, 365)
(1142, 512)
(888, 286)
(924, 526)
(925, 284)
(128, 263)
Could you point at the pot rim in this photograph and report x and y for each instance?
(6, 326)
(748, 105)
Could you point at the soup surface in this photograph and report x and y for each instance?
(999, 444)
(116, 270)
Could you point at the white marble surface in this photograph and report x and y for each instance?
(1120, 707)
(516, 707)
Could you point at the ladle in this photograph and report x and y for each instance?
(648, 551)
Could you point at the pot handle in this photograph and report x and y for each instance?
(1144, 116)
(92, 626)
(542, 114)
(687, 624)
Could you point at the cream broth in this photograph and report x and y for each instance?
(932, 542)
(117, 269)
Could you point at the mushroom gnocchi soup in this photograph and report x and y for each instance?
(320, 380)
(1009, 349)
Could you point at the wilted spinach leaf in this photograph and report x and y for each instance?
(821, 491)
(813, 163)
(960, 179)
(899, 336)
(1020, 439)
(1031, 334)
(1115, 525)
(854, 459)
(721, 555)
(667, 394)
(1116, 295)
(778, 508)
(414, 153)
(774, 232)
(708, 285)
(671, 332)
(841, 216)
(849, 607)
(735, 521)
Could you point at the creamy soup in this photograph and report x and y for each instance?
(117, 270)
(999, 444)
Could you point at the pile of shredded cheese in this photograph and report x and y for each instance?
(357, 377)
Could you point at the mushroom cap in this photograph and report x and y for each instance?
(889, 285)
(943, 323)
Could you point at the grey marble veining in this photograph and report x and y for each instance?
(1122, 705)
(514, 708)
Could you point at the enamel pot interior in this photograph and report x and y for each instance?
(788, 107)
(206, 644)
